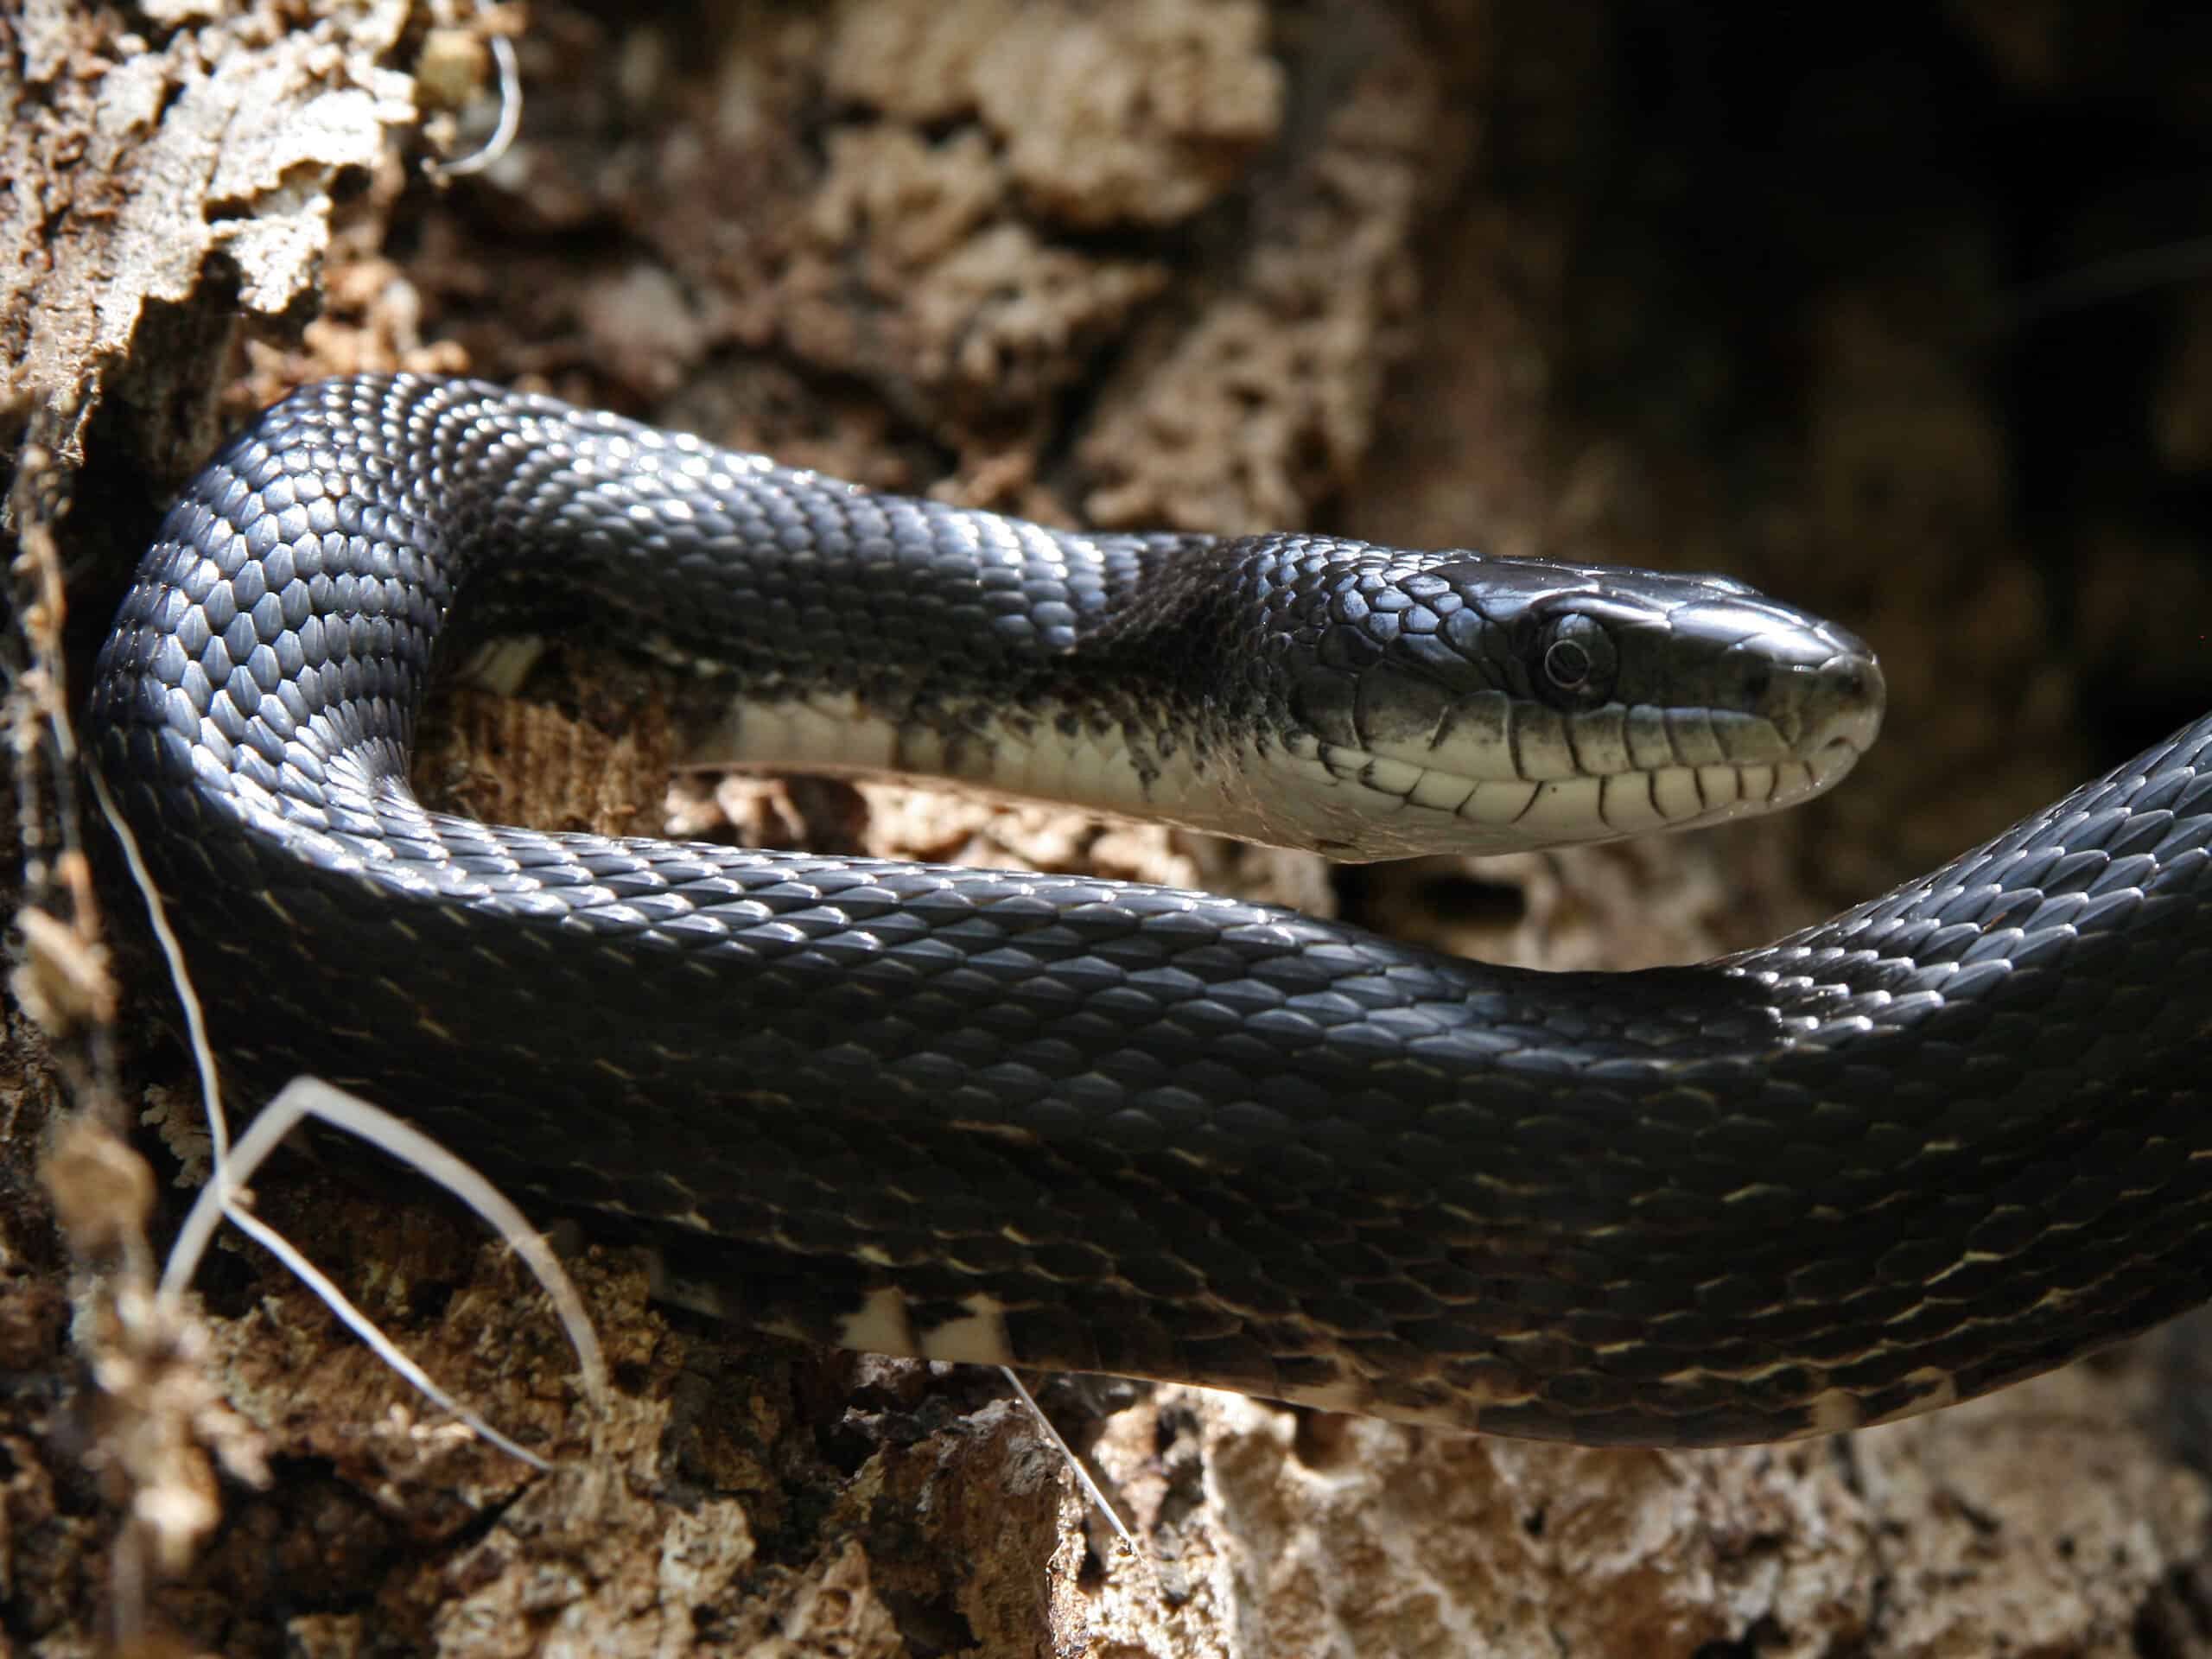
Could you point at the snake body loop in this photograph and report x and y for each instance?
(1948, 1139)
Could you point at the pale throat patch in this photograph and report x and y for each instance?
(1317, 796)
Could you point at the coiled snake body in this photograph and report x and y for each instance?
(1946, 1140)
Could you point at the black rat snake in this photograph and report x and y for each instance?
(1948, 1139)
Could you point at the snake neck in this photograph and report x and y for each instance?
(1296, 690)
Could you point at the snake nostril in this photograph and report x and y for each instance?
(1852, 712)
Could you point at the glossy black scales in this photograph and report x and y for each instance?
(1946, 1140)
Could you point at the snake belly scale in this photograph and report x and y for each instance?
(1946, 1140)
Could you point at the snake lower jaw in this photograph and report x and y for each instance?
(1356, 807)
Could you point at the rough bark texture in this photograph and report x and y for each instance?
(1821, 310)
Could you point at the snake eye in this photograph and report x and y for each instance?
(1567, 665)
(1576, 661)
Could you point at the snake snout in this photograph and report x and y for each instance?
(1841, 712)
(1812, 692)
(1822, 692)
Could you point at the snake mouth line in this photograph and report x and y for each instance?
(1587, 809)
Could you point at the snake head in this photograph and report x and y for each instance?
(1451, 702)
